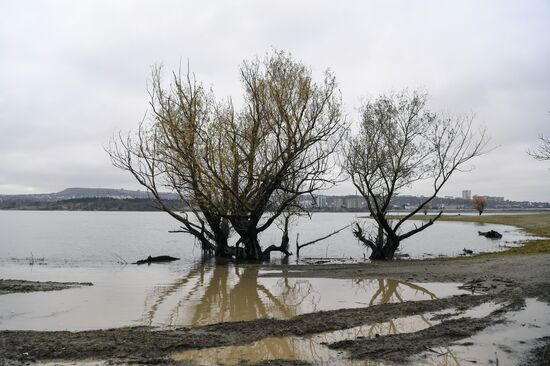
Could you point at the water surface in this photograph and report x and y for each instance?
(89, 246)
(141, 295)
(97, 238)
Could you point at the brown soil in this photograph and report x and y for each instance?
(11, 286)
(507, 280)
(541, 354)
(519, 269)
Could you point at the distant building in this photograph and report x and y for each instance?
(338, 202)
(355, 202)
(495, 199)
(467, 194)
(321, 201)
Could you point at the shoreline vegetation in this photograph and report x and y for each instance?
(507, 278)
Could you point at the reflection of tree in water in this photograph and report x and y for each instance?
(264, 349)
(443, 356)
(386, 291)
(221, 293)
(212, 294)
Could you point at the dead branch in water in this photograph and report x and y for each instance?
(300, 246)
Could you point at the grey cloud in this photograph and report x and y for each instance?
(75, 72)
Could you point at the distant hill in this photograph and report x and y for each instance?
(79, 193)
(108, 199)
(90, 204)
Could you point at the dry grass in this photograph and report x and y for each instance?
(534, 224)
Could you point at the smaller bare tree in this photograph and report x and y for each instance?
(401, 142)
(426, 208)
(480, 203)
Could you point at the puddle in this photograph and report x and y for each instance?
(501, 344)
(311, 349)
(203, 295)
(510, 339)
(236, 294)
(477, 312)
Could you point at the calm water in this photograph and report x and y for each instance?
(84, 247)
(98, 238)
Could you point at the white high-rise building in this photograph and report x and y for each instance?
(467, 194)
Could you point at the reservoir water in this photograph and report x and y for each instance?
(64, 238)
(89, 246)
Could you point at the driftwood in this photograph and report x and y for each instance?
(158, 259)
(491, 234)
(300, 246)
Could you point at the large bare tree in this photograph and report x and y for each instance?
(400, 143)
(167, 151)
(238, 168)
(279, 147)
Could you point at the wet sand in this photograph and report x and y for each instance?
(505, 280)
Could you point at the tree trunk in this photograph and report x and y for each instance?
(222, 246)
(378, 252)
(252, 250)
(248, 233)
(221, 236)
(392, 243)
(220, 229)
(283, 248)
(386, 251)
(377, 255)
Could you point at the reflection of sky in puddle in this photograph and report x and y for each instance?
(311, 349)
(501, 344)
(206, 294)
(505, 342)
(288, 348)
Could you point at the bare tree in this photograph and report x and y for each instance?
(239, 169)
(542, 152)
(167, 151)
(278, 148)
(400, 143)
(480, 203)
(426, 208)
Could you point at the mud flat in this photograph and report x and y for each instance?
(8, 286)
(505, 282)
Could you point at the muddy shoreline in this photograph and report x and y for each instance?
(504, 280)
(8, 286)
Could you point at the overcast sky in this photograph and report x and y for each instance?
(73, 72)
